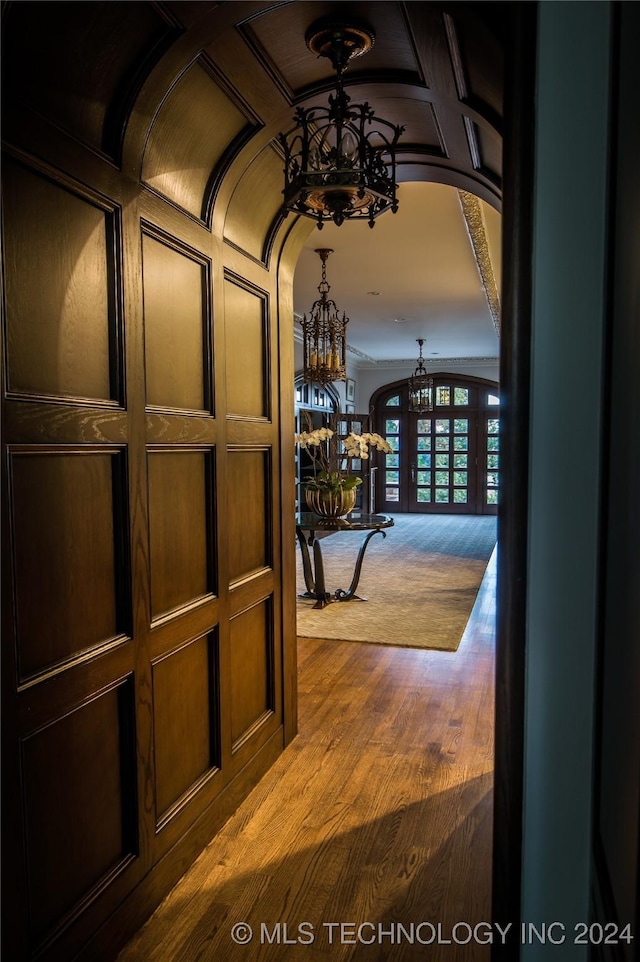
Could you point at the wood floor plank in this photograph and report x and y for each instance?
(378, 815)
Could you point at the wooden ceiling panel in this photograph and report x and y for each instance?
(482, 62)
(417, 116)
(94, 57)
(255, 203)
(277, 37)
(188, 12)
(192, 132)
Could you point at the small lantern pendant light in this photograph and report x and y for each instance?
(324, 335)
(420, 387)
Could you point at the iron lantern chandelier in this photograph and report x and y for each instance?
(420, 387)
(324, 335)
(339, 160)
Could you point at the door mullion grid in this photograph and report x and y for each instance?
(466, 402)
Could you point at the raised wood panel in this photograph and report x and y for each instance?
(247, 349)
(252, 674)
(176, 327)
(86, 93)
(61, 295)
(79, 805)
(255, 203)
(248, 513)
(193, 129)
(482, 60)
(69, 534)
(181, 527)
(419, 119)
(186, 720)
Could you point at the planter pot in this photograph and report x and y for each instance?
(329, 505)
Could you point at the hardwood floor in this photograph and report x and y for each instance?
(377, 816)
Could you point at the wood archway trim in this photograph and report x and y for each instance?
(513, 522)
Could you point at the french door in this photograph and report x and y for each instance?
(445, 461)
(344, 424)
(442, 472)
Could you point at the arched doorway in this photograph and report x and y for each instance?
(185, 235)
(446, 460)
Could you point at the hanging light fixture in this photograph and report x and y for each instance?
(339, 164)
(420, 387)
(324, 334)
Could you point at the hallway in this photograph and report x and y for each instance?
(149, 673)
(378, 815)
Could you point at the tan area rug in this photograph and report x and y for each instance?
(420, 582)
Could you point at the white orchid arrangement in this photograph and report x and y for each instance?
(329, 465)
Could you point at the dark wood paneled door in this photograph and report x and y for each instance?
(142, 666)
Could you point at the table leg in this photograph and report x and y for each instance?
(349, 594)
(306, 567)
(322, 596)
(314, 581)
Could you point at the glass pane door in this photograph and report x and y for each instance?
(390, 480)
(343, 425)
(442, 463)
(314, 405)
(491, 458)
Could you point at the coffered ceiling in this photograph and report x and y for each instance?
(434, 68)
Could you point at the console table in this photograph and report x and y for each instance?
(311, 528)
